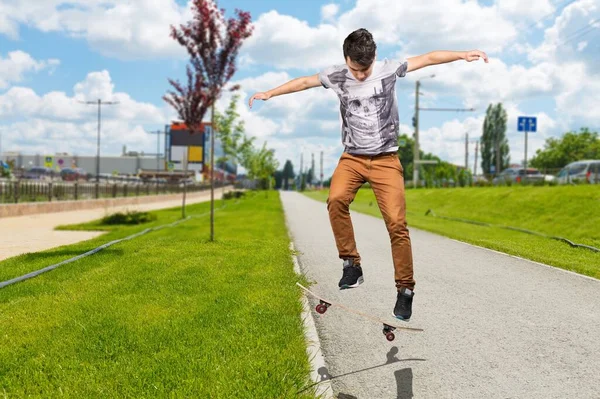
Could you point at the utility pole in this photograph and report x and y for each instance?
(497, 136)
(416, 146)
(301, 172)
(467, 151)
(321, 170)
(312, 167)
(157, 132)
(475, 165)
(416, 155)
(99, 102)
(165, 146)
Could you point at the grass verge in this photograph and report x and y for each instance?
(168, 314)
(572, 212)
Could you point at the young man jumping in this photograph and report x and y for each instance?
(370, 129)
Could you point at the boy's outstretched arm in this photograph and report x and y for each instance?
(294, 85)
(442, 57)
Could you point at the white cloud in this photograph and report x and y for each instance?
(329, 11)
(60, 122)
(567, 38)
(18, 63)
(579, 101)
(8, 26)
(283, 114)
(286, 42)
(129, 29)
(479, 83)
(519, 10)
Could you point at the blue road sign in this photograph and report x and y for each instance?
(527, 124)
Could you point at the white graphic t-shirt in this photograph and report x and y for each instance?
(370, 121)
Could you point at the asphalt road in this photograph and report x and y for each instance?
(495, 326)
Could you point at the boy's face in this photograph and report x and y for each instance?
(360, 72)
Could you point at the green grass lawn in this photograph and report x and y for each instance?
(168, 314)
(572, 212)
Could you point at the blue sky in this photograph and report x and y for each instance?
(542, 63)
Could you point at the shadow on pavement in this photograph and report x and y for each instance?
(403, 377)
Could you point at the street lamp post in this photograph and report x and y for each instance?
(99, 102)
(157, 132)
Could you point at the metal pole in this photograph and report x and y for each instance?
(165, 144)
(525, 160)
(301, 173)
(212, 173)
(475, 165)
(526, 134)
(157, 158)
(99, 103)
(98, 145)
(321, 170)
(497, 133)
(416, 146)
(185, 168)
(467, 151)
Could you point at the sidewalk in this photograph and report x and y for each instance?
(34, 233)
(495, 326)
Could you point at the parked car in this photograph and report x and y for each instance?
(520, 175)
(587, 171)
(39, 173)
(73, 174)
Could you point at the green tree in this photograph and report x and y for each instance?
(494, 144)
(465, 177)
(278, 175)
(406, 147)
(571, 147)
(288, 173)
(261, 165)
(230, 130)
(310, 176)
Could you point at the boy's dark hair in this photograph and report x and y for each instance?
(360, 47)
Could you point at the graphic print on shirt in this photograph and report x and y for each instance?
(369, 111)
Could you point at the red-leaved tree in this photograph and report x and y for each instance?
(213, 44)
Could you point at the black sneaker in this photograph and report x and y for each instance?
(403, 308)
(352, 277)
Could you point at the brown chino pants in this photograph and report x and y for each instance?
(385, 174)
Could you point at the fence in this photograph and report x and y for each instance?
(33, 191)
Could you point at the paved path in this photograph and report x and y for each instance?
(34, 233)
(495, 326)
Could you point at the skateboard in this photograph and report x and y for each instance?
(388, 328)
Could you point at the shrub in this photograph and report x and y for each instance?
(133, 217)
(233, 194)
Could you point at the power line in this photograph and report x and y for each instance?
(595, 23)
(558, 8)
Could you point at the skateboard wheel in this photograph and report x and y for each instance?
(390, 336)
(321, 308)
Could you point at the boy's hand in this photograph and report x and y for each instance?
(475, 55)
(259, 96)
